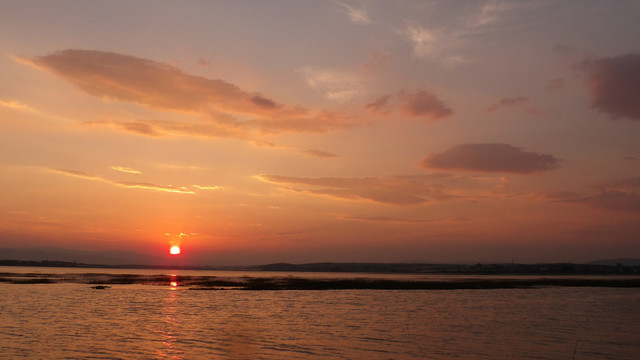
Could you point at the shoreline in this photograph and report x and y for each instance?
(302, 283)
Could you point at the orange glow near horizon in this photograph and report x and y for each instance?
(175, 250)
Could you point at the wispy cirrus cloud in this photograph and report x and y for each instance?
(358, 15)
(200, 187)
(379, 219)
(136, 185)
(26, 108)
(17, 105)
(336, 85)
(126, 170)
(490, 158)
(438, 44)
(393, 190)
(445, 44)
(318, 153)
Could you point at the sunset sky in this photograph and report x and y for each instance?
(252, 132)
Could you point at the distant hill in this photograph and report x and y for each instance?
(86, 257)
(360, 267)
(614, 262)
(416, 268)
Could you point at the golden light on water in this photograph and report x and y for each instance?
(175, 250)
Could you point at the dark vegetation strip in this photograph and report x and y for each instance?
(368, 284)
(295, 283)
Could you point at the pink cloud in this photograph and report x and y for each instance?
(507, 102)
(380, 104)
(490, 158)
(425, 104)
(614, 85)
(158, 85)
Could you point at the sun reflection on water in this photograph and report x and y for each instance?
(173, 282)
(171, 325)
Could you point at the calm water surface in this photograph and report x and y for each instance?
(73, 321)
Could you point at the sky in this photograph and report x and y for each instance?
(252, 132)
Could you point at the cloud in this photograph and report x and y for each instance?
(126, 170)
(614, 85)
(264, 102)
(560, 196)
(444, 44)
(440, 45)
(202, 62)
(16, 105)
(425, 42)
(506, 103)
(161, 128)
(345, 84)
(339, 86)
(419, 104)
(395, 190)
(150, 186)
(614, 200)
(126, 78)
(318, 153)
(618, 196)
(76, 173)
(207, 187)
(116, 77)
(425, 104)
(138, 127)
(19, 106)
(624, 185)
(490, 158)
(378, 219)
(380, 104)
(138, 185)
(356, 15)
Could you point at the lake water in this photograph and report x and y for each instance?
(74, 321)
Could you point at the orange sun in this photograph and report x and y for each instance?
(175, 250)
